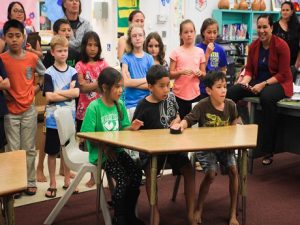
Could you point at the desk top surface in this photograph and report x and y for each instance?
(13, 172)
(192, 139)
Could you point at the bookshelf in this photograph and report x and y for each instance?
(248, 17)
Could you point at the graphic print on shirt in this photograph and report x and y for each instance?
(88, 78)
(213, 120)
(110, 122)
(214, 59)
(167, 111)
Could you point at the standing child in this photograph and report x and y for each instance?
(4, 85)
(60, 88)
(215, 55)
(155, 47)
(186, 67)
(21, 121)
(108, 113)
(135, 64)
(162, 106)
(215, 111)
(60, 27)
(88, 69)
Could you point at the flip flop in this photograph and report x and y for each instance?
(52, 193)
(65, 187)
(267, 160)
(30, 191)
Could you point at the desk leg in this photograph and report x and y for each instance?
(243, 183)
(98, 180)
(252, 118)
(8, 204)
(153, 187)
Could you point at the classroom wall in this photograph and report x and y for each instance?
(106, 28)
(169, 12)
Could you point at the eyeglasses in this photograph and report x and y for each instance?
(18, 11)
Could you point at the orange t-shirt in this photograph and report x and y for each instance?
(20, 73)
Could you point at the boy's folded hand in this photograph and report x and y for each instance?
(136, 124)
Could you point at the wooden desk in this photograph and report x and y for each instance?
(288, 126)
(160, 141)
(13, 179)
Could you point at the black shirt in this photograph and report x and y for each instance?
(292, 38)
(157, 115)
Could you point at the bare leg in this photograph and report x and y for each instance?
(233, 189)
(51, 168)
(91, 182)
(148, 190)
(40, 176)
(189, 192)
(203, 190)
(62, 168)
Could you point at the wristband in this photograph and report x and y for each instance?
(266, 83)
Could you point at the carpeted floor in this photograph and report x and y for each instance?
(273, 199)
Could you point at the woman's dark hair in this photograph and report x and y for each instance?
(87, 36)
(181, 28)
(266, 16)
(109, 77)
(207, 22)
(11, 5)
(133, 13)
(64, 8)
(161, 53)
(293, 23)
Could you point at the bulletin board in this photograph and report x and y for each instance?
(125, 7)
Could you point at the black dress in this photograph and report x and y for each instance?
(291, 38)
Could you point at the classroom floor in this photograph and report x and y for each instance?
(273, 199)
(43, 186)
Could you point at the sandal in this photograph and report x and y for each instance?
(52, 193)
(267, 160)
(30, 191)
(65, 187)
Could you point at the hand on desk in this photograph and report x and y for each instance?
(136, 125)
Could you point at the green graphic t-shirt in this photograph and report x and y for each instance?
(99, 117)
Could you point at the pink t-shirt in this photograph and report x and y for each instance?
(187, 86)
(90, 72)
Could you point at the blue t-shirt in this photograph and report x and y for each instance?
(3, 107)
(216, 60)
(55, 80)
(137, 68)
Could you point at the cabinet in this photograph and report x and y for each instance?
(248, 17)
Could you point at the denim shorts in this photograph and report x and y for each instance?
(209, 159)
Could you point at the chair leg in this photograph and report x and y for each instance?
(176, 187)
(63, 200)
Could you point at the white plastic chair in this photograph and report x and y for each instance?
(77, 161)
